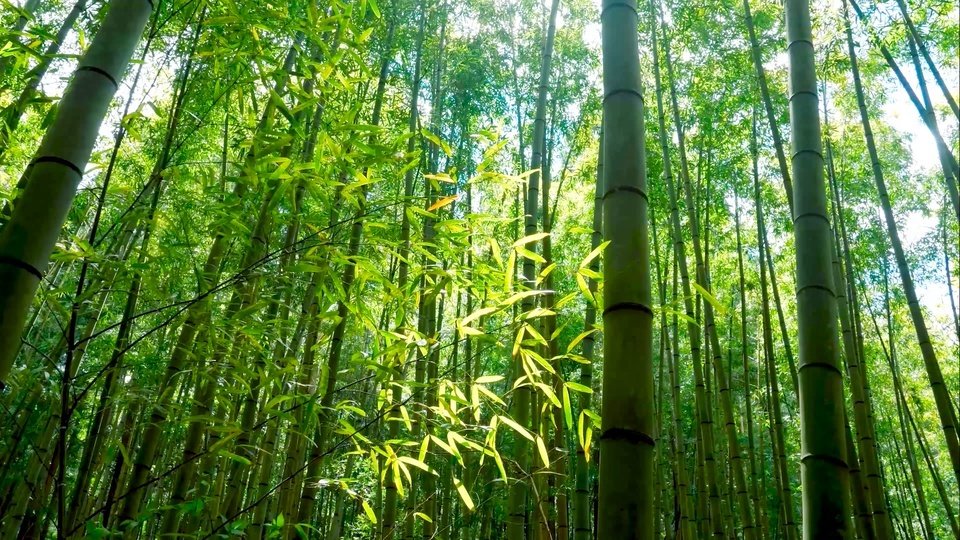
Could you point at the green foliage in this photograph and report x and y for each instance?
(206, 326)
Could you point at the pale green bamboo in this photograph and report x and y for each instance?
(28, 239)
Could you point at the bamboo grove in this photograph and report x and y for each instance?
(494, 269)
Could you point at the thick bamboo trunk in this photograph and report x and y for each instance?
(627, 442)
(28, 239)
(824, 471)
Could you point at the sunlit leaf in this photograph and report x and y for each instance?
(464, 495)
(593, 254)
(516, 427)
(442, 202)
(369, 511)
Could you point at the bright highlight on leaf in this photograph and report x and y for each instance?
(442, 202)
(368, 510)
(464, 494)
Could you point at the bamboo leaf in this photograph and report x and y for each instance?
(437, 141)
(529, 254)
(586, 443)
(547, 391)
(567, 409)
(499, 462)
(593, 254)
(406, 418)
(710, 298)
(544, 456)
(519, 296)
(464, 495)
(417, 463)
(477, 314)
(442, 202)
(579, 338)
(578, 387)
(369, 511)
(529, 239)
(397, 479)
(509, 270)
(234, 457)
(483, 390)
(516, 427)
(424, 446)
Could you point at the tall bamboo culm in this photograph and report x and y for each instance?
(626, 499)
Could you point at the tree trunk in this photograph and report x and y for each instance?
(520, 406)
(390, 503)
(745, 358)
(627, 433)
(27, 241)
(824, 470)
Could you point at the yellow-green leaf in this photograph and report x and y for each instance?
(406, 417)
(483, 390)
(547, 391)
(578, 387)
(710, 298)
(543, 451)
(529, 254)
(579, 338)
(593, 254)
(464, 495)
(369, 511)
(529, 239)
(519, 296)
(442, 202)
(477, 314)
(416, 463)
(509, 270)
(517, 427)
(423, 448)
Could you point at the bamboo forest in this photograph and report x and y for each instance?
(479, 269)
